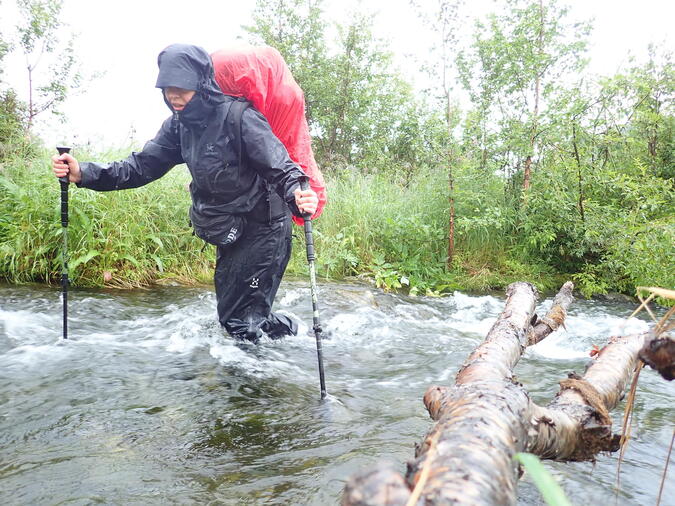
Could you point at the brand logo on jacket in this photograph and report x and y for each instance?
(254, 283)
(210, 148)
(232, 235)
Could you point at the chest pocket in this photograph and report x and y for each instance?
(213, 166)
(217, 164)
(221, 168)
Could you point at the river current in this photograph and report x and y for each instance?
(149, 402)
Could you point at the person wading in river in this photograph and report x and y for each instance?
(244, 187)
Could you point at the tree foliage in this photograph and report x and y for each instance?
(39, 36)
(556, 170)
(513, 72)
(296, 28)
(12, 113)
(359, 108)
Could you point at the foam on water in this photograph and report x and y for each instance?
(186, 337)
(196, 328)
(486, 303)
(349, 326)
(559, 346)
(247, 356)
(293, 296)
(391, 321)
(584, 333)
(25, 325)
(415, 313)
(29, 356)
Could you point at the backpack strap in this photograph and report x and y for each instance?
(275, 206)
(234, 116)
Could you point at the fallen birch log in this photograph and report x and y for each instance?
(487, 417)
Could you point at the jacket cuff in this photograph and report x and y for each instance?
(86, 179)
(290, 200)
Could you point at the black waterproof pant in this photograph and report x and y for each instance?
(248, 274)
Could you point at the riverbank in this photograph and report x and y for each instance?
(391, 232)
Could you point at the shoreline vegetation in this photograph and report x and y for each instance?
(374, 230)
(548, 173)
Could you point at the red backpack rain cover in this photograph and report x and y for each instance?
(261, 75)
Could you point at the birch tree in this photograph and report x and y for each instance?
(39, 40)
(516, 65)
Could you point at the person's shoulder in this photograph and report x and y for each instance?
(253, 115)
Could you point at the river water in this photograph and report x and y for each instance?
(149, 402)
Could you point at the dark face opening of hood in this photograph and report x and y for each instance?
(189, 67)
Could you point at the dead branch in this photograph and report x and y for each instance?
(555, 317)
(659, 354)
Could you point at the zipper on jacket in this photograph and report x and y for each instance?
(269, 203)
(174, 122)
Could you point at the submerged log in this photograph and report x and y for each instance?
(487, 417)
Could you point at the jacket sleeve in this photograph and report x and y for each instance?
(156, 159)
(268, 157)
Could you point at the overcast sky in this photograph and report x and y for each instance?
(123, 37)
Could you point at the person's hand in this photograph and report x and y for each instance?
(306, 200)
(66, 165)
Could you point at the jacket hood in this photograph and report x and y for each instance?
(189, 67)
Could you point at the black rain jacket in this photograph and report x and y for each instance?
(224, 188)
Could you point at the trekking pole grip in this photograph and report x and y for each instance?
(62, 150)
(64, 190)
(309, 240)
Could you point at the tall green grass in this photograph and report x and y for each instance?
(396, 235)
(373, 227)
(393, 232)
(136, 237)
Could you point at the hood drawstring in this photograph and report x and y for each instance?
(203, 90)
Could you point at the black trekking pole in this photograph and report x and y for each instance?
(309, 241)
(64, 234)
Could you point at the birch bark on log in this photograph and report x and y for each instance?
(487, 417)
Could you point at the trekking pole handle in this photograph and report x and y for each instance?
(309, 240)
(62, 150)
(64, 190)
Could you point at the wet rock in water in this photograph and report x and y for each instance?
(614, 297)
